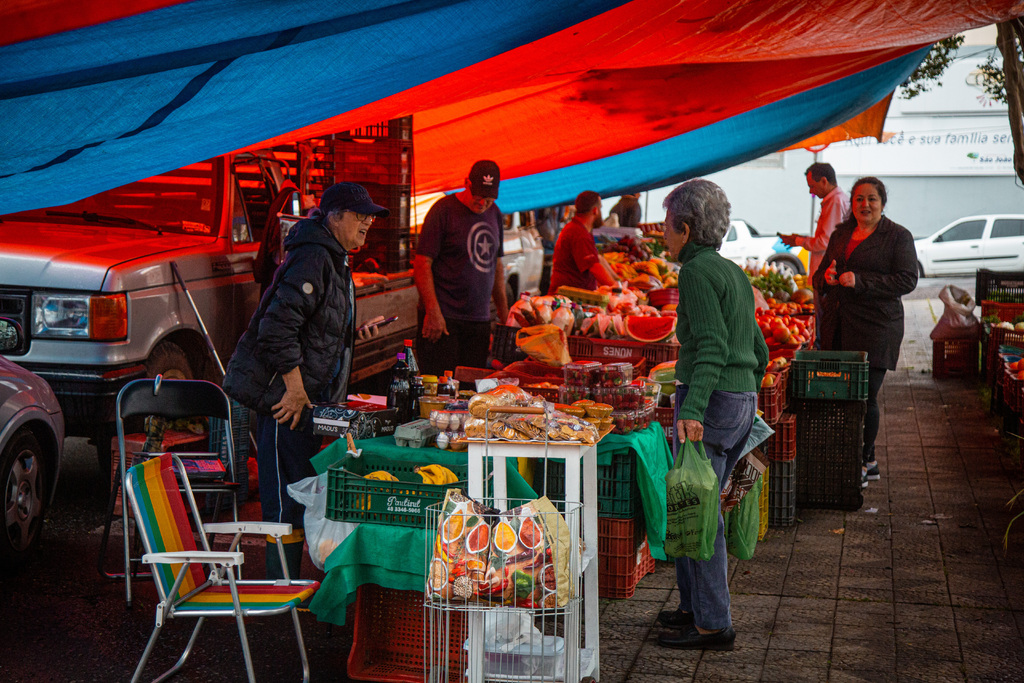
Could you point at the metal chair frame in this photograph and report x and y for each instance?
(221, 565)
(172, 399)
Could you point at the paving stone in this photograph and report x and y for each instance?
(855, 613)
(794, 665)
(859, 676)
(627, 613)
(661, 661)
(716, 671)
(923, 616)
(927, 644)
(862, 654)
(654, 678)
(643, 594)
(801, 641)
(932, 672)
(866, 594)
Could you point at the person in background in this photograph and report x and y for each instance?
(870, 263)
(576, 261)
(628, 210)
(458, 272)
(298, 349)
(722, 357)
(835, 208)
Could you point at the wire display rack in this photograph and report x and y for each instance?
(517, 614)
(557, 633)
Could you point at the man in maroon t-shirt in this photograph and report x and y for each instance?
(576, 261)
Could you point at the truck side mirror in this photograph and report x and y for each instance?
(10, 334)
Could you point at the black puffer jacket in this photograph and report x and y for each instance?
(305, 319)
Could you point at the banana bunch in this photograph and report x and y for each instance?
(381, 475)
(624, 270)
(437, 475)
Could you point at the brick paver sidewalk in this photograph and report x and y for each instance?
(915, 586)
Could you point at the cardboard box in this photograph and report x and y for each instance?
(361, 420)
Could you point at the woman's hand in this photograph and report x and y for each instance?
(830, 273)
(369, 329)
(847, 279)
(690, 430)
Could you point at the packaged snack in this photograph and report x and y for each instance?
(458, 565)
(519, 553)
(501, 396)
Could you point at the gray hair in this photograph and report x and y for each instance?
(703, 206)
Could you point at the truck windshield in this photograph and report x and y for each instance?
(183, 201)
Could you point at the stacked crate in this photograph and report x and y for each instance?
(380, 158)
(829, 391)
(772, 401)
(622, 551)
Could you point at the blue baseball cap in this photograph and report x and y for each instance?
(350, 197)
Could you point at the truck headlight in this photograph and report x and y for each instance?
(78, 316)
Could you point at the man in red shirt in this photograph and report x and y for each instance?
(576, 262)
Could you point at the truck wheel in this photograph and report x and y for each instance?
(791, 262)
(23, 475)
(170, 361)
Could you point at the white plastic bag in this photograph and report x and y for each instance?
(958, 320)
(322, 535)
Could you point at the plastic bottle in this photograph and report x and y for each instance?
(398, 392)
(410, 359)
(442, 387)
(415, 393)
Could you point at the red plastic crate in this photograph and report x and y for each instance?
(666, 416)
(623, 556)
(388, 637)
(955, 358)
(1006, 311)
(781, 445)
(771, 401)
(622, 349)
(1012, 391)
(998, 337)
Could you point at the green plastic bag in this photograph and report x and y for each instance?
(692, 504)
(743, 524)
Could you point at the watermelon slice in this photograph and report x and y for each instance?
(649, 329)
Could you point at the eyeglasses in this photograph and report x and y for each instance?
(363, 217)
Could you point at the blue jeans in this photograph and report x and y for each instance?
(704, 585)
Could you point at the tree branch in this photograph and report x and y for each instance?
(1007, 35)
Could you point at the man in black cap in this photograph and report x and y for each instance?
(298, 349)
(458, 273)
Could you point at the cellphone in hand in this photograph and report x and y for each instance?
(382, 323)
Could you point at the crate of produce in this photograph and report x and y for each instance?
(584, 296)
(618, 492)
(955, 358)
(1013, 390)
(388, 638)
(999, 287)
(781, 494)
(353, 498)
(771, 399)
(623, 556)
(829, 448)
(622, 349)
(1006, 312)
(830, 375)
(782, 444)
(503, 345)
(997, 337)
(762, 505)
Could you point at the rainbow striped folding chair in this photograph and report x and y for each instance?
(184, 588)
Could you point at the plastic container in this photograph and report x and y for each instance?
(351, 498)
(627, 397)
(831, 375)
(623, 421)
(615, 375)
(624, 556)
(618, 492)
(782, 494)
(540, 658)
(955, 358)
(782, 444)
(582, 373)
(829, 446)
(415, 434)
(570, 393)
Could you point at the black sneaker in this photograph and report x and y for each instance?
(863, 477)
(873, 473)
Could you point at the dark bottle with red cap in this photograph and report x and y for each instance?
(410, 359)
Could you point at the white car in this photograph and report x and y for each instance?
(743, 242)
(993, 241)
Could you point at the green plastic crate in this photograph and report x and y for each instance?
(351, 498)
(618, 492)
(830, 375)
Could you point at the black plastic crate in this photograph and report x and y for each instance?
(1001, 287)
(503, 345)
(618, 492)
(829, 453)
(782, 494)
(395, 129)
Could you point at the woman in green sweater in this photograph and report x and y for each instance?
(722, 357)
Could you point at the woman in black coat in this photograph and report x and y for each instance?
(869, 264)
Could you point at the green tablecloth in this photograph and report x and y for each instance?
(389, 556)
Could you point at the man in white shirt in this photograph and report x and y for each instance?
(835, 208)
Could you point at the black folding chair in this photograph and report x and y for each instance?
(172, 399)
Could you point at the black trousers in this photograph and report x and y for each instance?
(875, 378)
(467, 343)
